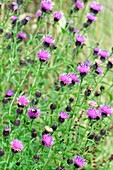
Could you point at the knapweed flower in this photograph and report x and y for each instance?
(22, 36)
(38, 13)
(33, 112)
(14, 6)
(47, 140)
(95, 51)
(103, 54)
(23, 101)
(79, 162)
(65, 79)
(48, 40)
(93, 113)
(79, 40)
(14, 18)
(92, 103)
(57, 16)
(63, 116)
(106, 110)
(95, 7)
(76, 31)
(79, 5)
(74, 78)
(43, 55)
(99, 71)
(16, 146)
(47, 5)
(9, 93)
(83, 69)
(91, 18)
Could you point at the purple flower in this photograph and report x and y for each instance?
(43, 55)
(76, 31)
(74, 78)
(95, 7)
(28, 18)
(63, 116)
(21, 35)
(9, 93)
(106, 110)
(79, 5)
(16, 145)
(57, 15)
(79, 39)
(96, 50)
(47, 140)
(93, 113)
(15, 6)
(33, 112)
(99, 71)
(7, 128)
(79, 162)
(23, 101)
(83, 69)
(48, 40)
(91, 17)
(65, 79)
(47, 5)
(103, 54)
(38, 13)
(14, 18)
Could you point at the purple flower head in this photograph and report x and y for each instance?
(93, 113)
(95, 7)
(99, 71)
(38, 13)
(79, 162)
(7, 128)
(91, 17)
(65, 79)
(76, 31)
(47, 5)
(79, 5)
(57, 15)
(15, 6)
(104, 54)
(9, 93)
(106, 110)
(79, 39)
(13, 18)
(43, 55)
(96, 50)
(48, 40)
(74, 78)
(33, 112)
(23, 101)
(63, 116)
(0, 3)
(16, 145)
(22, 35)
(83, 69)
(47, 140)
(28, 18)
(87, 63)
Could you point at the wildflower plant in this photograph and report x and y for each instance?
(56, 87)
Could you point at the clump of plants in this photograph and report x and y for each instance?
(56, 88)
